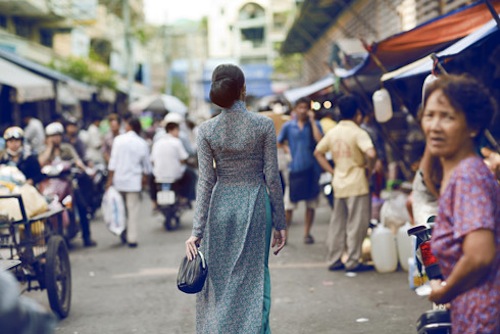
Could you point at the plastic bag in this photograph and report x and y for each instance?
(113, 211)
(394, 213)
(34, 202)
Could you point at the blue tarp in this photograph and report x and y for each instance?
(431, 36)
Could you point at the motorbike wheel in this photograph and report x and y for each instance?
(172, 221)
(58, 276)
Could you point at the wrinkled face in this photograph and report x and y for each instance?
(301, 110)
(14, 144)
(445, 128)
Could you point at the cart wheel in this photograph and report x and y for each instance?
(58, 276)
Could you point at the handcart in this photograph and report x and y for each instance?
(34, 250)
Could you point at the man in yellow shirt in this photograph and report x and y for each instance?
(354, 155)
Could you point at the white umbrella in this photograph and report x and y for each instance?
(161, 104)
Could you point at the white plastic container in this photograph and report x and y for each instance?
(405, 245)
(384, 250)
(382, 105)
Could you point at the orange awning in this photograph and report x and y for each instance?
(432, 36)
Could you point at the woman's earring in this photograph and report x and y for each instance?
(473, 134)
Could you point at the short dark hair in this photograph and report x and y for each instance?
(348, 106)
(467, 95)
(227, 82)
(171, 126)
(301, 100)
(135, 124)
(113, 117)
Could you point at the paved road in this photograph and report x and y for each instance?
(117, 289)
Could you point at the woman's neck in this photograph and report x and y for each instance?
(449, 165)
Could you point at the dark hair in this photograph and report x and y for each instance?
(348, 106)
(171, 126)
(466, 95)
(305, 100)
(135, 124)
(227, 82)
(113, 117)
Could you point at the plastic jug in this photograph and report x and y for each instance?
(384, 250)
(382, 105)
(405, 245)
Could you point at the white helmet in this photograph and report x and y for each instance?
(54, 128)
(14, 132)
(173, 118)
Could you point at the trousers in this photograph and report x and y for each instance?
(348, 227)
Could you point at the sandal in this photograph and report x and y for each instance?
(308, 240)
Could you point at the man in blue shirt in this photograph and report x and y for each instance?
(299, 137)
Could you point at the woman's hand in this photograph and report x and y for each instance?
(438, 292)
(192, 245)
(279, 241)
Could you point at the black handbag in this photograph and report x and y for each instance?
(304, 185)
(192, 274)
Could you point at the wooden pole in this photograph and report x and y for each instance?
(493, 12)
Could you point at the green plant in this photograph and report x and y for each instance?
(81, 69)
(180, 90)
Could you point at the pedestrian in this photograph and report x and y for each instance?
(466, 234)
(55, 151)
(16, 154)
(115, 129)
(239, 201)
(299, 137)
(71, 136)
(353, 154)
(378, 177)
(129, 168)
(94, 144)
(34, 132)
(169, 159)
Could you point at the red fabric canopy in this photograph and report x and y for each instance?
(432, 36)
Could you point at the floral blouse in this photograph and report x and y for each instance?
(471, 201)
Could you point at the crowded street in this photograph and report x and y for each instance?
(117, 289)
(244, 167)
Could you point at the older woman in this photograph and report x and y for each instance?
(466, 236)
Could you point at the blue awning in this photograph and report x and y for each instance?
(294, 94)
(426, 64)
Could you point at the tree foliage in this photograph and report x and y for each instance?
(180, 90)
(81, 69)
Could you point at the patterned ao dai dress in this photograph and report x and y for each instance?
(471, 201)
(239, 197)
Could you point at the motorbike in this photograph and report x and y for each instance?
(60, 188)
(437, 320)
(325, 184)
(171, 205)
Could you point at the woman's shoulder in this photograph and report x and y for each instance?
(473, 170)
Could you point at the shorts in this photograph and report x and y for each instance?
(289, 205)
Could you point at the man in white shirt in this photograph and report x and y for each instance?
(34, 133)
(95, 142)
(169, 159)
(129, 167)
